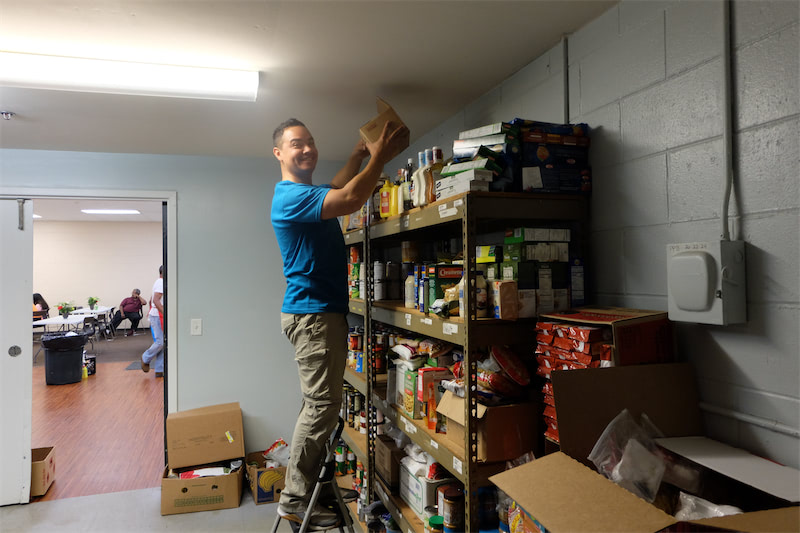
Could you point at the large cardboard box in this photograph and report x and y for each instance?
(43, 470)
(198, 437)
(504, 432)
(209, 493)
(638, 336)
(205, 435)
(266, 484)
(566, 496)
(387, 461)
(371, 131)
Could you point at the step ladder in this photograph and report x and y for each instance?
(326, 476)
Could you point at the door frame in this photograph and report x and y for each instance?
(170, 197)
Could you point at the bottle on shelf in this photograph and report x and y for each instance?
(386, 197)
(433, 174)
(407, 172)
(393, 207)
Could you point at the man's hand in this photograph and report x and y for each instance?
(360, 151)
(384, 147)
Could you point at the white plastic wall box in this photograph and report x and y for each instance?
(706, 282)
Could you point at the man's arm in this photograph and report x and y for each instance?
(352, 166)
(354, 193)
(157, 301)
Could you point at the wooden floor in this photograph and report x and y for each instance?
(107, 429)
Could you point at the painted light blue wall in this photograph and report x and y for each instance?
(228, 271)
(647, 76)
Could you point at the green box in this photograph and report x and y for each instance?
(489, 254)
(441, 277)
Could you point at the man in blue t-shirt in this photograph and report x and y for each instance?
(315, 302)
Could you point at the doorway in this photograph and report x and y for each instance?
(108, 250)
(166, 390)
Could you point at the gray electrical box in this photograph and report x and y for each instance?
(706, 282)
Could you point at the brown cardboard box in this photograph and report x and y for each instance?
(504, 432)
(638, 336)
(205, 435)
(571, 497)
(387, 461)
(266, 484)
(371, 131)
(201, 494)
(199, 437)
(43, 470)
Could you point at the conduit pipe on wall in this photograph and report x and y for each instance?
(727, 115)
(772, 425)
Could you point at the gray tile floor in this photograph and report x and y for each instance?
(133, 511)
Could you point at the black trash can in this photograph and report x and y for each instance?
(63, 357)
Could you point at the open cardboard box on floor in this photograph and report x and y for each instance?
(564, 495)
(504, 432)
(266, 484)
(198, 437)
(43, 470)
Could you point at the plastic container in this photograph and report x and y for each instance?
(63, 358)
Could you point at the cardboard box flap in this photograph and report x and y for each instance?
(603, 315)
(640, 389)
(772, 521)
(452, 407)
(371, 131)
(741, 465)
(565, 496)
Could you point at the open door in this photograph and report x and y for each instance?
(16, 349)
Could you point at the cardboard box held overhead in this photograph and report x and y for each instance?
(371, 131)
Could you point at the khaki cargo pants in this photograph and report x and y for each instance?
(320, 343)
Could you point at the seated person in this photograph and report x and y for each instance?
(130, 308)
(39, 304)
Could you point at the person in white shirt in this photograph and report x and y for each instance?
(156, 350)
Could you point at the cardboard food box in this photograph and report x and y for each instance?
(208, 493)
(387, 461)
(266, 484)
(411, 404)
(419, 492)
(638, 336)
(504, 432)
(43, 470)
(565, 496)
(205, 435)
(371, 131)
(199, 437)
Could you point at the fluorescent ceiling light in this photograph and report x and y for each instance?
(110, 211)
(37, 216)
(121, 77)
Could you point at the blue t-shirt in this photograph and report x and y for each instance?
(313, 250)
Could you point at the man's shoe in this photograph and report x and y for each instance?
(145, 367)
(129, 333)
(321, 518)
(159, 374)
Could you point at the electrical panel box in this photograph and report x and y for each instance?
(706, 282)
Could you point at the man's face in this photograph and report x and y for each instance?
(297, 152)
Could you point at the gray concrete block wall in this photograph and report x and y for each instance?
(647, 76)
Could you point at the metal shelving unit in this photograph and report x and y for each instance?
(463, 215)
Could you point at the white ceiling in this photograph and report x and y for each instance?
(322, 62)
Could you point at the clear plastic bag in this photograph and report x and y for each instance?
(627, 454)
(696, 508)
(277, 454)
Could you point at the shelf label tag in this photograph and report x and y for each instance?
(411, 429)
(443, 213)
(427, 321)
(448, 328)
(458, 202)
(405, 221)
(457, 464)
(408, 319)
(434, 444)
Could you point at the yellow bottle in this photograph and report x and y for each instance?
(393, 209)
(386, 199)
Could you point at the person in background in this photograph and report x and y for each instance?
(156, 350)
(130, 308)
(39, 304)
(315, 303)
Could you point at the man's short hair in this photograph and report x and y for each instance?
(137, 291)
(277, 136)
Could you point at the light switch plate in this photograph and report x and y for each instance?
(196, 326)
(706, 282)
